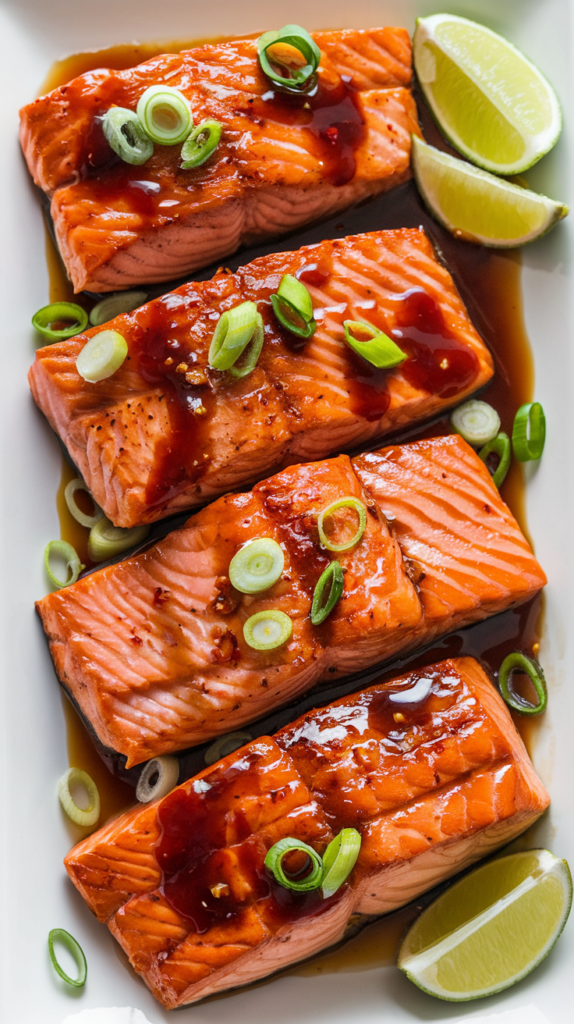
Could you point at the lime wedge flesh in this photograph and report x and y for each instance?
(491, 928)
(476, 205)
(492, 103)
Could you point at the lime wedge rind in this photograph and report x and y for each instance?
(420, 966)
(477, 206)
(492, 90)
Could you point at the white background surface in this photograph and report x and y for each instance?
(36, 895)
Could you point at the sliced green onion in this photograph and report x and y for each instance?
(115, 305)
(80, 816)
(106, 540)
(265, 631)
(57, 312)
(500, 446)
(81, 517)
(248, 361)
(332, 578)
(200, 144)
(293, 307)
(296, 77)
(274, 864)
(226, 745)
(125, 135)
(529, 432)
(257, 565)
(521, 663)
(361, 511)
(158, 778)
(71, 558)
(379, 350)
(235, 329)
(339, 860)
(101, 356)
(165, 115)
(476, 422)
(73, 947)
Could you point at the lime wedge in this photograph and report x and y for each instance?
(477, 206)
(490, 929)
(492, 103)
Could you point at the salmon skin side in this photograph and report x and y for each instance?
(283, 159)
(167, 432)
(428, 768)
(152, 649)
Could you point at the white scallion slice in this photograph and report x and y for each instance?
(226, 745)
(165, 115)
(265, 631)
(125, 135)
(101, 356)
(158, 778)
(477, 422)
(70, 498)
(106, 540)
(115, 305)
(257, 565)
(84, 816)
(65, 551)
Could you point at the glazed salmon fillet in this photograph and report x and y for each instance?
(283, 160)
(152, 649)
(167, 432)
(428, 768)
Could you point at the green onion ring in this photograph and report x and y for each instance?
(520, 662)
(529, 432)
(165, 115)
(115, 305)
(73, 565)
(125, 135)
(106, 540)
(78, 815)
(226, 745)
(380, 350)
(73, 947)
(165, 769)
(339, 860)
(334, 579)
(500, 445)
(200, 144)
(361, 511)
(257, 565)
(274, 858)
(235, 329)
(81, 517)
(60, 311)
(248, 361)
(101, 356)
(476, 422)
(265, 631)
(299, 78)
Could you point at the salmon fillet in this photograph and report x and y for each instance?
(166, 432)
(428, 768)
(283, 160)
(152, 649)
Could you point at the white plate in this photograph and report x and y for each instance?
(36, 893)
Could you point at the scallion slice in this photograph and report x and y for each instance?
(106, 540)
(265, 631)
(373, 345)
(89, 815)
(226, 745)
(518, 662)
(529, 432)
(276, 55)
(361, 511)
(333, 579)
(73, 947)
(500, 445)
(115, 305)
(200, 144)
(293, 307)
(339, 860)
(159, 776)
(81, 517)
(476, 422)
(74, 567)
(312, 865)
(257, 565)
(165, 115)
(101, 356)
(60, 312)
(125, 135)
(235, 329)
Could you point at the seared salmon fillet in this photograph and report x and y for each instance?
(428, 768)
(283, 159)
(153, 651)
(167, 432)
